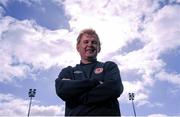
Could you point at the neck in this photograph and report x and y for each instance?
(84, 61)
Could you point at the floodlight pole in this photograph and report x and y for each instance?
(131, 97)
(31, 94)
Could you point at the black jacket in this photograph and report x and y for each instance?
(90, 89)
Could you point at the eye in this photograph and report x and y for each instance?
(85, 41)
(94, 42)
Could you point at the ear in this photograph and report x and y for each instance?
(99, 49)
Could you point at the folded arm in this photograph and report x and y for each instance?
(68, 89)
(111, 88)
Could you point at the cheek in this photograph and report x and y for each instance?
(81, 50)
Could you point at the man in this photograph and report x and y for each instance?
(91, 88)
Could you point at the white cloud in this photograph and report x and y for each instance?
(157, 115)
(173, 78)
(136, 87)
(164, 28)
(161, 33)
(11, 105)
(47, 110)
(24, 43)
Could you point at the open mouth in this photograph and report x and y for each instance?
(90, 50)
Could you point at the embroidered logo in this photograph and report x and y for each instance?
(98, 70)
(78, 72)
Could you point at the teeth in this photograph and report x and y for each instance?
(89, 50)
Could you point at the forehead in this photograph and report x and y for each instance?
(89, 37)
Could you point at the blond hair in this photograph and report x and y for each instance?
(88, 31)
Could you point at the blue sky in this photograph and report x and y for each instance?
(38, 38)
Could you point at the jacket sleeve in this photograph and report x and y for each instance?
(111, 88)
(70, 90)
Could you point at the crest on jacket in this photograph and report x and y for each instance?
(98, 70)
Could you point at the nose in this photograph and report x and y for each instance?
(90, 43)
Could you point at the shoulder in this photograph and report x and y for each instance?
(65, 71)
(69, 69)
(110, 63)
(107, 64)
(66, 68)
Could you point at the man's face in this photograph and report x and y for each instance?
(88, 47)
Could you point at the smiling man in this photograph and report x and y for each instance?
(91, 88)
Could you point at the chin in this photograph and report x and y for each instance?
(91, 57)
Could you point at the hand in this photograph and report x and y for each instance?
(97, 80)
(101, 82)
(66, 79)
